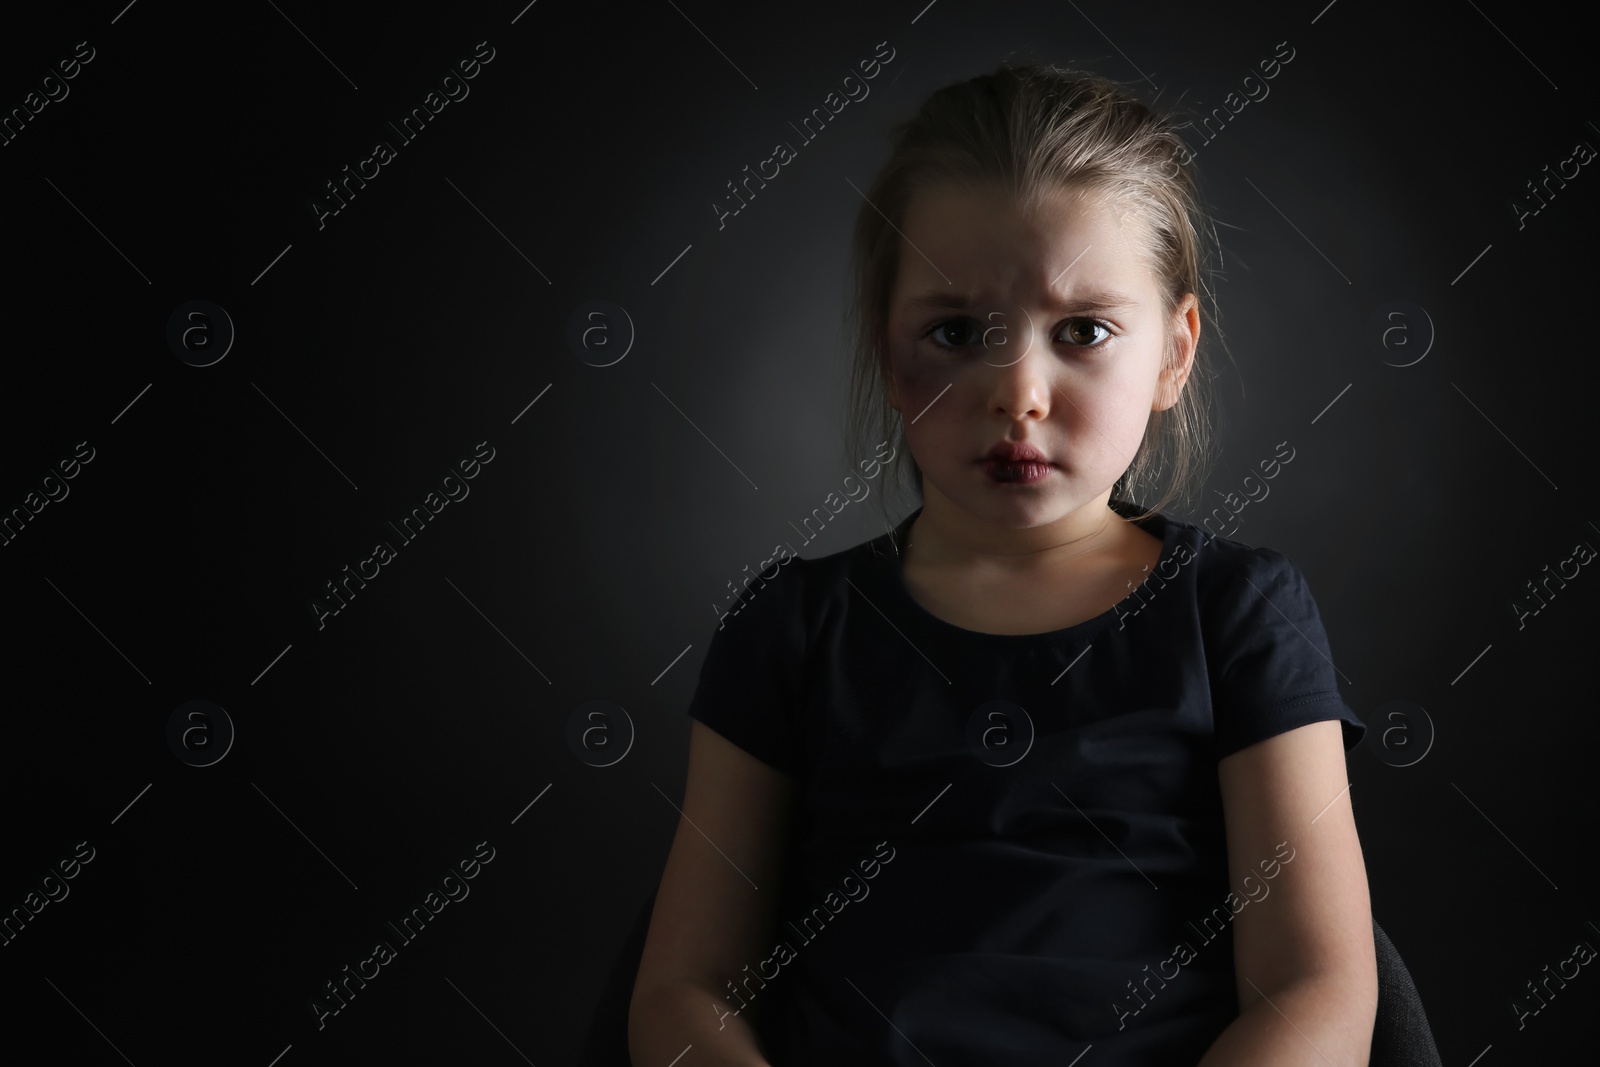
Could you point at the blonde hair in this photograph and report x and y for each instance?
(1034, 129)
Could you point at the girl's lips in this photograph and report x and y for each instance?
(1015, 452)
(1008, 473)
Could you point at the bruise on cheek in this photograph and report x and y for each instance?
(917, 378)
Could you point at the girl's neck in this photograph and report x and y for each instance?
(946, 535)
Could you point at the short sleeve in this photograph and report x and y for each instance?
(1268, 656)
(750, 682)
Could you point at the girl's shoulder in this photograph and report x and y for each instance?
(1216, 553)
(1225, 573)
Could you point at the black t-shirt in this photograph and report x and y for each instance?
(1009, 848)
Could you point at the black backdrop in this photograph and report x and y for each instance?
(376, 349)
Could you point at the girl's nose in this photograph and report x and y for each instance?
(1020, 385)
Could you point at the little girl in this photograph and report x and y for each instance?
(1037, 776)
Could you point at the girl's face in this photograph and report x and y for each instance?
(1046, 330)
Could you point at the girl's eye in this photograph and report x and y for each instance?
(1086, 324)
(965, 332)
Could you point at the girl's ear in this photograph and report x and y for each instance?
(1185, 339)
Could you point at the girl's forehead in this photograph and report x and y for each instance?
(977, 240)
(992, 199)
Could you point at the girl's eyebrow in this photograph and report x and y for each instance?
(1101, 300)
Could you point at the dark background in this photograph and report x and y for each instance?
(378, 351)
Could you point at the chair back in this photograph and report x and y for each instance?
(1401, 1036)
(607, 1042)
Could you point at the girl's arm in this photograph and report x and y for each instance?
(1303, 954)
(714, 912)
